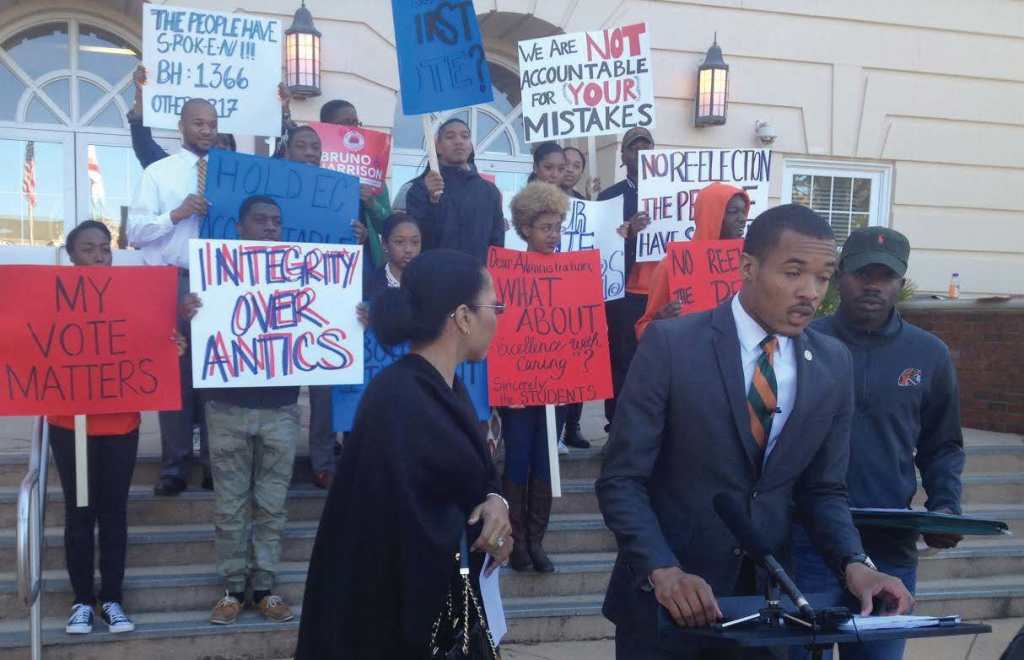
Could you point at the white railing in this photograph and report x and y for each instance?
(31, 532)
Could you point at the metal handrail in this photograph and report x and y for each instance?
(31, 532)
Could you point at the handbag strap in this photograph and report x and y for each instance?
(464, 554)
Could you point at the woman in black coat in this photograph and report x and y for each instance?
(413, 476)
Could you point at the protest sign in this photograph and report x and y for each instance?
(275, 314)
(703, 274)
(671, 180)
(88, 340)
(355, 151)
(587, 83)
(317, 205)
(441, 59)
(231, 60)
(346, 398)
(551, 345)
(593, 226)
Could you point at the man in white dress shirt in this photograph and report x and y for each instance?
(166, 213)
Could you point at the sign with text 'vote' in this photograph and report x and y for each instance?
(88, 340)
(231, 60)
(587, 83)
(704, 274)
(671, 179)
(275, 314)
(317, 205)
(551, 345)
(441, 59)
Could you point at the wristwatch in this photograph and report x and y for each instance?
(860, 558)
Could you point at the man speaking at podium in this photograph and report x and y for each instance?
(744, 400)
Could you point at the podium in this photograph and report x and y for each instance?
(763, 636)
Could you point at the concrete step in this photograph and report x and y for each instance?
(997, 597)
(974, 559)
(176, 545)
(993, 453)
(1005, 488)
(1011, 514)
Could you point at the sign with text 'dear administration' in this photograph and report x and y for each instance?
(551, 345)
(441, 59)
(231, 60)
(275, 314)
(704, 274)
(94, 340)
(587, 83)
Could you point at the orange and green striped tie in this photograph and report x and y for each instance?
(763, 397)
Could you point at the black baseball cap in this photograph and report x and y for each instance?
(636, 133)
(876, 245)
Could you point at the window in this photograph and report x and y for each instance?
(849, 195)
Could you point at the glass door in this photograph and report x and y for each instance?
(37, 187)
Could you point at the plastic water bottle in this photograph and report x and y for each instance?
(954, 286)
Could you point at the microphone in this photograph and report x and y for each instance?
(735, 517)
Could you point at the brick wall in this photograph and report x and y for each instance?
(986, 341)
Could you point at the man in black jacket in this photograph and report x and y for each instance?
(457, 209)
(907, 412)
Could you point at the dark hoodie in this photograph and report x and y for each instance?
(907, 412)
(467, 218)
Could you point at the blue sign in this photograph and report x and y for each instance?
(346, 398)
(441, 60)
(317, 205)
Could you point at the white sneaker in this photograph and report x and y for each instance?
(117, 621)
(562, 449)
(80, 621)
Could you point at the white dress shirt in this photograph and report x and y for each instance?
(165, 185)
(751, 334)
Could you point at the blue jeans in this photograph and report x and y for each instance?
(526, 444)
(813, 576)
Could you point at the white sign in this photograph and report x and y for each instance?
(587, 83)
(232, 60)
(276, 313)
(671, 179)
(591, 226)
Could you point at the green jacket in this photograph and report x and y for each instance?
(372, 214)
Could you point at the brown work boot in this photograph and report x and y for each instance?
(273, 608)
(538, 509)
(516, 496)
(225, 612)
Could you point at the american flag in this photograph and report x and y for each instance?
(97, 191)
(28, 176)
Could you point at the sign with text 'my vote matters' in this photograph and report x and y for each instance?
(317, 205)
(88, 340)
(275, 314)
(670, 180)
(355, 151)
(704, 274)
(587, 83)
(231, 60)
(551, 345)
(441, 59)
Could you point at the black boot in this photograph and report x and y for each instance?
(516, 496)
(574, 438)
(538, 514)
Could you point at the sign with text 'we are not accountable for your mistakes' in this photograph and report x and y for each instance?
(275, 314)
(231, 60)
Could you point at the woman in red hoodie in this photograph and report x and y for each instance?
(719, 213)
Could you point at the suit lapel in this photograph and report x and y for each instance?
(790, 435)
(727, 352)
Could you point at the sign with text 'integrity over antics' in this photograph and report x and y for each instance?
(88, 340)
(551, 345)
(587, 83)
(231, 60)
(275, 314)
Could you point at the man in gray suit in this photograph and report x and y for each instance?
(743, 400)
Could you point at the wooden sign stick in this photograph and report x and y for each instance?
(428, 139)
(591, 165)
(556, 473)
(81, 462)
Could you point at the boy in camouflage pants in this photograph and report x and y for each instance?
(253, 432)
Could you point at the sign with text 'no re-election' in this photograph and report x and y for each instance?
(231, 60)
(92, 340)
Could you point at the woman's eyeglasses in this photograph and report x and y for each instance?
(499, 308)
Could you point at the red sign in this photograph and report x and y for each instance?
(88, 340)
(551, 345)
(356, 151)
(703, 274)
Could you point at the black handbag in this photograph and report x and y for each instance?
(460, 630)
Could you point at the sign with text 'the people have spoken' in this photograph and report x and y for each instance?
(441, 59)
(587, 83)
(275, 314)
(551, 345)
(671, 179)
(92, 340)
(704, 274)
(231, 60)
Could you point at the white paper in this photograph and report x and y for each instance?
(289, 320)
(671, 179)
(490, 591)
(901, 622)
(231, 59)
